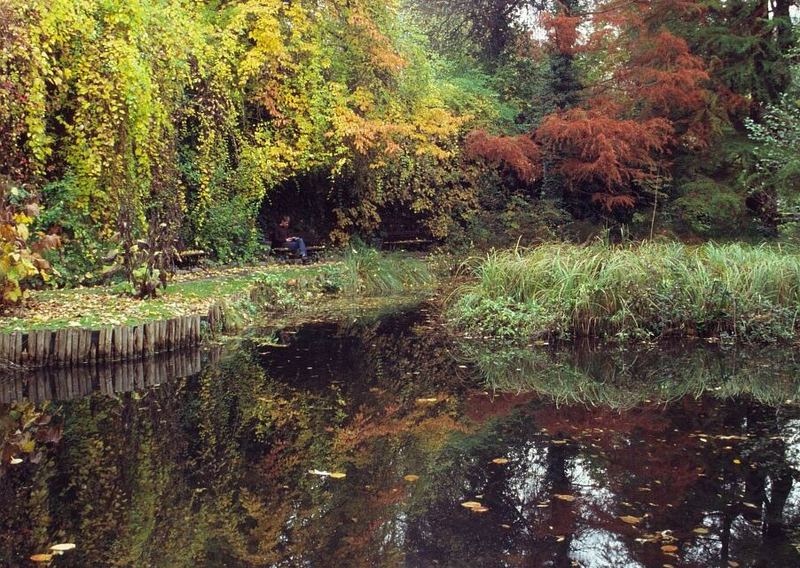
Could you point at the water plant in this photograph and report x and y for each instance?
(368, 272)
(642, 291)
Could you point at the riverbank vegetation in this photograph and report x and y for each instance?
(654, 290)
(361, 273)
(135, 132)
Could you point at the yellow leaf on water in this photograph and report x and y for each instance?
(62, 547)
(700, 530)
(669, 548)
(42, 557)
(631, 520)
(411, 477)
(338, 475)
(500, 461)
(564, 497)
(471, 504)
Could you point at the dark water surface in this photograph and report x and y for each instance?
(665, 457)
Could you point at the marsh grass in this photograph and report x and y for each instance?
(368, 272)
(649, 290)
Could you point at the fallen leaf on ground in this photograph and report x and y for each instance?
(62, 547)
(411, 477)
(669, 548)
(427, 400)
(15, 461)
(700, 530)
(479, 509)
(630, 519)
(42, 557)
(334, 475)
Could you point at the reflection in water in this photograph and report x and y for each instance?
(212, 469)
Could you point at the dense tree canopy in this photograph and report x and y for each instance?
(135, 129)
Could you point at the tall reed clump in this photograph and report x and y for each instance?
(367, 272)
(644, 291)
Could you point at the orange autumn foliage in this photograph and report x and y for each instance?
(562, 31)
(518, 154)
(605, 152)
(666, 75)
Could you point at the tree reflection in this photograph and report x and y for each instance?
(213, 469)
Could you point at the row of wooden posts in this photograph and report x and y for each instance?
(72, 347)
(67, 383)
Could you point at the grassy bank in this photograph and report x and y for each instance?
(646, 291)
(360, 272)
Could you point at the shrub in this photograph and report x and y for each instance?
(20, 261)
(229, 232)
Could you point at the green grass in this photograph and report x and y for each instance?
(104, 306)
(644, 291)
(360, 272)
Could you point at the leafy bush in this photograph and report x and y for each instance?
(229, 232)
(20, 261)
(508, 220)
(79, 259)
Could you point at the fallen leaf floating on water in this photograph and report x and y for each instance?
(42, 557)
(62, 547)
(333, 475)
(669, 548)
(410, 477)
(700, 530)
(500, 461)
(15, 461)
(471, 504)
(564, 497)
(479, 509)
(560, 538)
(631, 520)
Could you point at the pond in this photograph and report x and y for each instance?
(377, 441)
